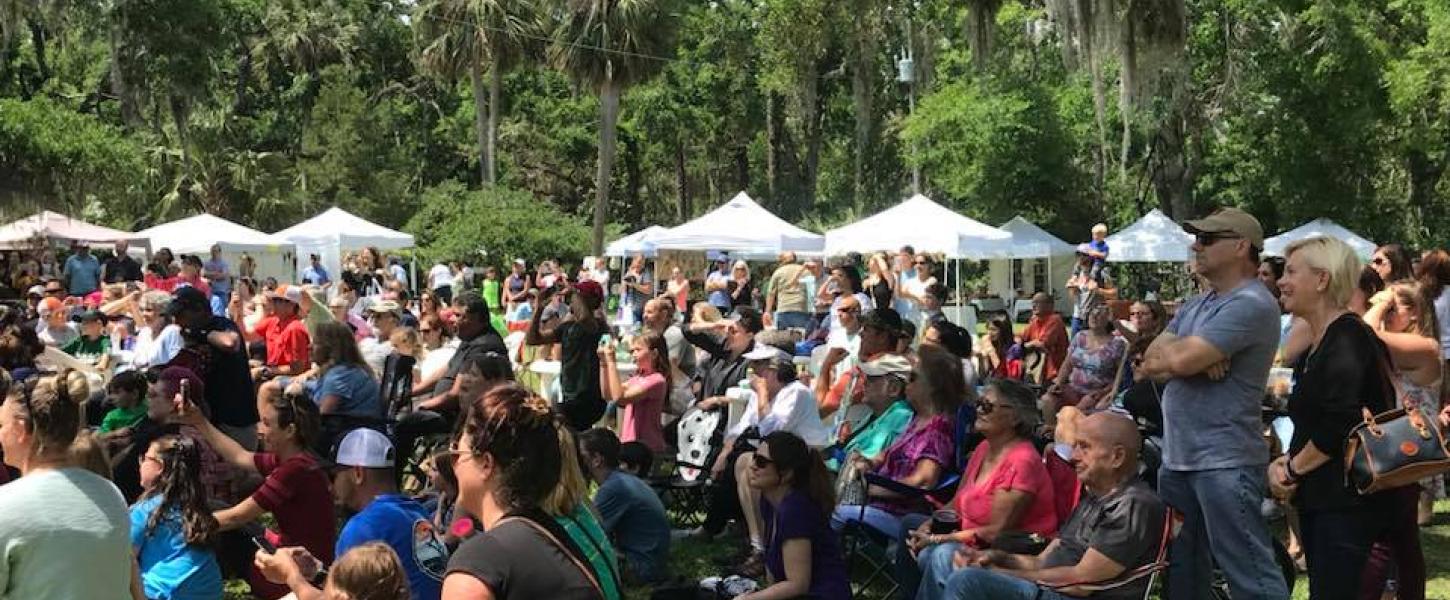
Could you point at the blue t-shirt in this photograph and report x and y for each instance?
(1217, 424)
(355, 387)
(315, 275)
(1100, 246)
(170, 568)
(82, 273)
(405, 526)
(219, 287)
(633, 516)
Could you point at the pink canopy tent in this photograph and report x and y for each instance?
(53, 228)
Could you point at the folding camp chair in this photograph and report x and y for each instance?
(683, 486)
(1172, 521)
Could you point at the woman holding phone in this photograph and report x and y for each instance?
(296, 490)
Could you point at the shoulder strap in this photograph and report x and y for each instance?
(568, 549)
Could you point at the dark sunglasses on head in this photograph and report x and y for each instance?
(761, 462)
(1207, 238)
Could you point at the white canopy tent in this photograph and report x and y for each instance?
(744, 229)
(275, 257)
(335, 232)
(639, 242)
(1031, 244)
(925, 226)
(56, 229)
(1321, 227)
(1153, 238)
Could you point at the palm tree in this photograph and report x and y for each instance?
(610, 45)
(459, 35)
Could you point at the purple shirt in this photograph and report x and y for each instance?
(926, 441)
(799, 517)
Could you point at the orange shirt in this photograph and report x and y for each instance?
(1051, 331)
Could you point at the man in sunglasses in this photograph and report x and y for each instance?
(1214, 357)
(881, 330)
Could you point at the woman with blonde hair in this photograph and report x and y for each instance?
(370, 571)
(344, 384)
(1336, 379)
(880, 283)
(1404, 319)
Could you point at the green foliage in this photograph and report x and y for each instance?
(999, 149)
(52, 156)
(496, 224)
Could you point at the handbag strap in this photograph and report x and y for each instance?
(567, 549)
(1387, 372)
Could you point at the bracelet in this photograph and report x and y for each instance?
(1289, 470)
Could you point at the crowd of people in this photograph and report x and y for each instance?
(178, 424)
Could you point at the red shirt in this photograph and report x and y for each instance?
(1051, 331)
(287, 340)
(165, 284)
(198, 283)
(298, 495)
(1019, 468)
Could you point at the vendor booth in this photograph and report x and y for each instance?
(1038, 262)
(742, 228)
(1153, 238)
(336, 232)
(1321, 227)
(58, 230)
(274, 256)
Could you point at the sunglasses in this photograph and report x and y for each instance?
(985, 408)
(848, 311)
(426, 330)
(761, 462)
(1378, 261)
(1207, 239)
(55, 291)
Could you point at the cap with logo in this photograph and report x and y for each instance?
(290, 293)
(1229, 220)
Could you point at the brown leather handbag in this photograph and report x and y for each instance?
(1394, 448)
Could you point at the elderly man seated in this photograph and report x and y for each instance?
(1116, 527)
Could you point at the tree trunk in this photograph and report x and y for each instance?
(480, 117)
(1083, 15)
(772, 138)
(130, 113)
(861, 99)
(1128, 58)
(608, 120)
(495, 89)
(682, 184)
(38, 36)
(811, 121)
(742, 167)
(244, 78)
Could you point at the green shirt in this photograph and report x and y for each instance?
(491, 294)
(881, 431)
(121, 418)
(89, 350)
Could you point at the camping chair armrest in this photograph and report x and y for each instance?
(894, 486)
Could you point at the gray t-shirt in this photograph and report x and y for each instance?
(517, 563)
(1125, 526)
(1217, 424)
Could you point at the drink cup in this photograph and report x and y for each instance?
(945, 521)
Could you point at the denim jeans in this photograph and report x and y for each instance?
(787, 320)
(883, 522)
(1222, 523)
(941, 581)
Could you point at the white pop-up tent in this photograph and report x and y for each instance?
(639, 242)
(1321, 227)
(55, 229)
(1031, 244)
(925, 226)
(744, 229)
(1153, 238)
(275, 257)
(335, 232)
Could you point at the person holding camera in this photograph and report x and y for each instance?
(578, 337)
(229, 382)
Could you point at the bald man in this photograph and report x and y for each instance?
(1046, 333)
(1117, 527)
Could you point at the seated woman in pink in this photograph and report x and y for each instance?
(921, 453)
(644, 395)
(1006, 486)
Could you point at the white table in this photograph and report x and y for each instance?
(548, 372)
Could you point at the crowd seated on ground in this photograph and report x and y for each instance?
(211, 401)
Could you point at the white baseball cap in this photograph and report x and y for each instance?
(366, 448)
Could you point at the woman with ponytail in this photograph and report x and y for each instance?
(64, 527)
(802, 554)
(172, 528)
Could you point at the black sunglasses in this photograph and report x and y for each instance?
(761, 462)
(984, 407)
(1207, 239)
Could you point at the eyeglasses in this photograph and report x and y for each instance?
(1207, 239)
(920, 262)
(761, 462)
